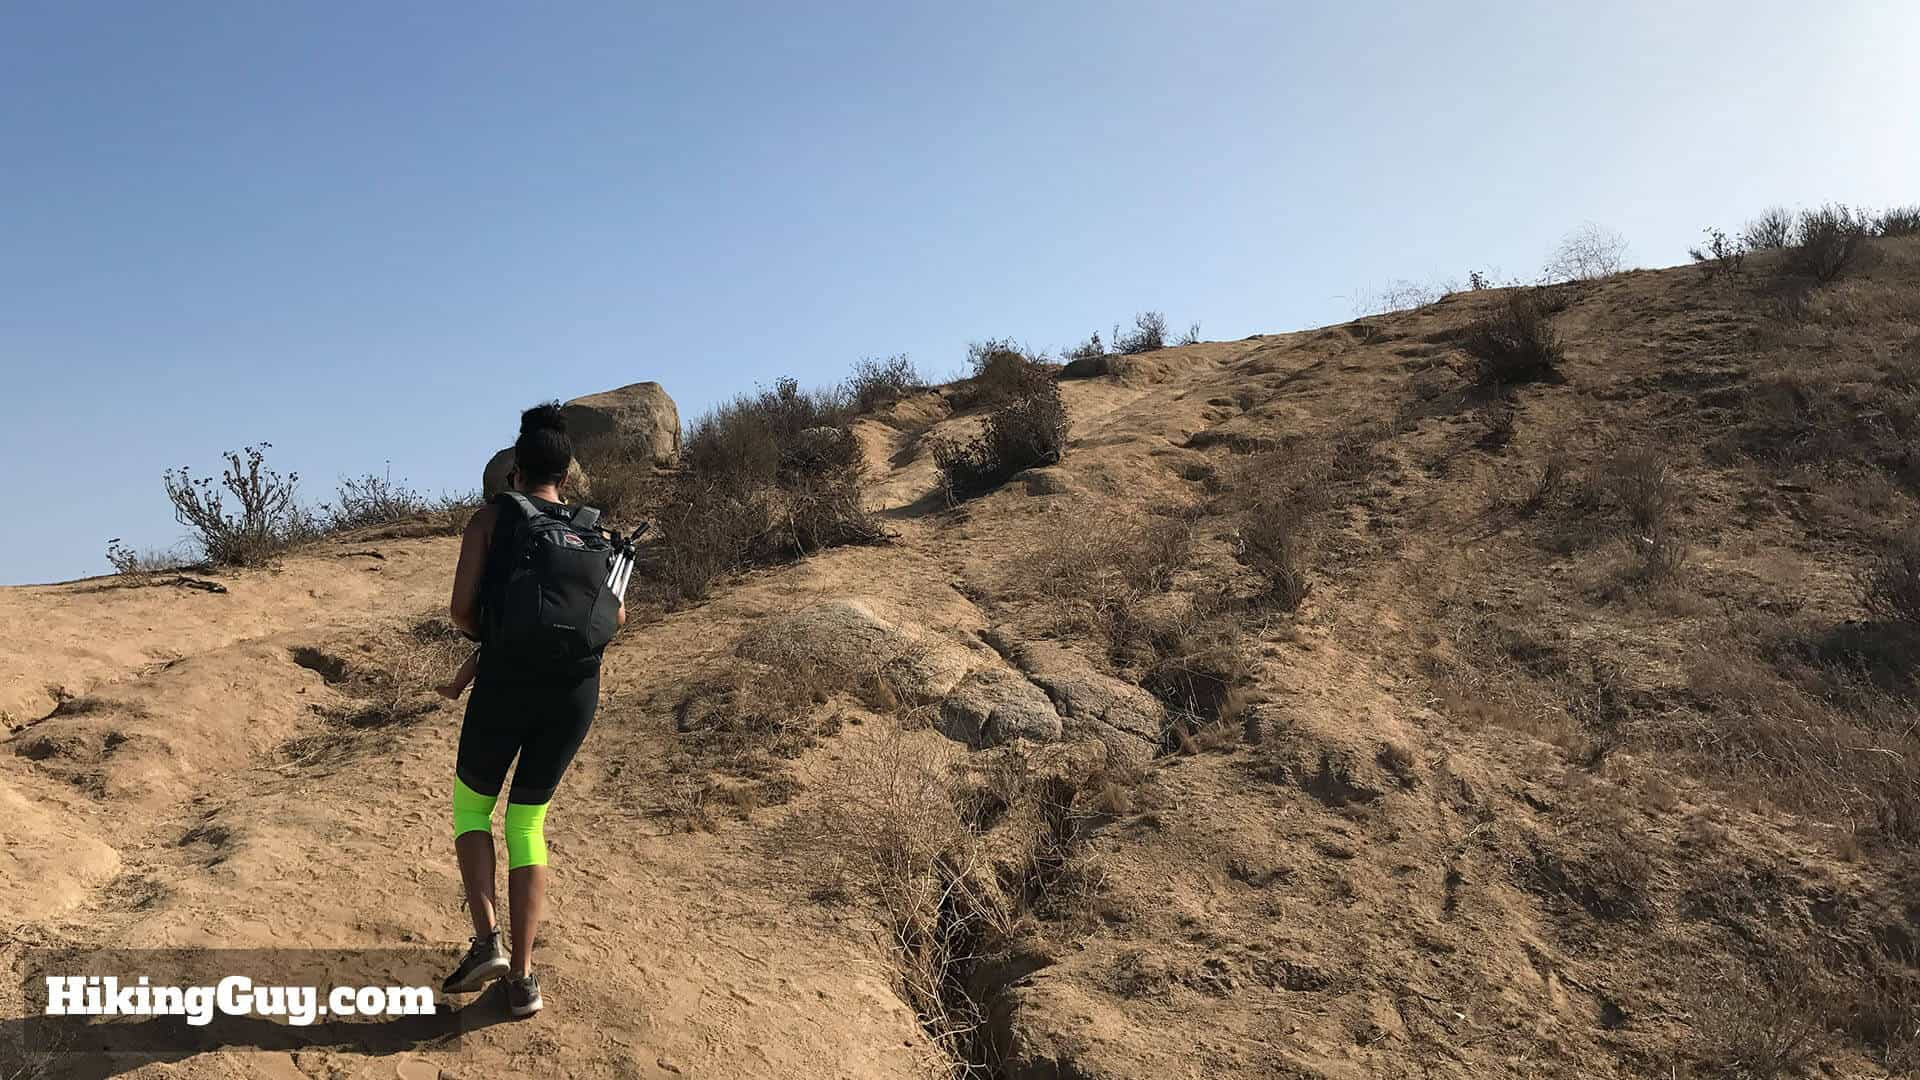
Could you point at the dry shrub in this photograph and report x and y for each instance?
(1092, 572)
(1641, 483)
(1891, 584)
(1020, 433)
(1192, 656)
(1589, 252)
(1274, 540)
(1828, 242)
(129, 562)
(1089, 350)
(960, 856)
(1764, 1025)
(1720, 256)
(268, 521)
(1607, 876)
(1546, 478)
(875, 384)
(374, 500)
(1898, 221)
(1149, 332)
(1517, 343)
(1002, 372)
(1772, 230)
(1275, 499)
(764, 478)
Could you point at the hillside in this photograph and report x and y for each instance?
(1580, 756)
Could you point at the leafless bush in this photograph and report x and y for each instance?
(1108, 563)
(373, 500)
(1828, 242)
(1149, 333)
(1517, 343)
(1547, 478)
(1591, 251)
(128, 562)
(1763, 1028)
(1641, 482)
(1191, 337)
(1397, 295)
(1720, 256)
(1090, 349)
(1273, 539)
(875, 384)
(268, 519)
(1772, 230)
(1898, 221)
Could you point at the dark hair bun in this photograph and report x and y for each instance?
(543, 417)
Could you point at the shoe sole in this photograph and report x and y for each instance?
(481, 976)
(521, 1012)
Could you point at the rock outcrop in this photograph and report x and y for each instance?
(640, 415)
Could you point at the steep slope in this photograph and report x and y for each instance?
(1494, 800)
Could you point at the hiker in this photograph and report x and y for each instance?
(533, 587)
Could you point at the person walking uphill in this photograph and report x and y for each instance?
(533, 587)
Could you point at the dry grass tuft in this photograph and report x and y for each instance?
(1517, 343)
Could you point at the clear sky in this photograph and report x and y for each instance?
(371, 232)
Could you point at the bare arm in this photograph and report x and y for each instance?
(464, 608)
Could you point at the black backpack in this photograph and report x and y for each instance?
(548, 607)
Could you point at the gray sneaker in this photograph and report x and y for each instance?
(485, 961)
(523, 994)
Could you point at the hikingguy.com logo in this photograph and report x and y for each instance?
(235, 995)
(194, 1000)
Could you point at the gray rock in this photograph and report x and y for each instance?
(995, 705)
(1092, 703)
(1048, 482)
(639, 414)
(849, 636)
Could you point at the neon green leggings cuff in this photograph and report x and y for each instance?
(526, 835)
(472, 811)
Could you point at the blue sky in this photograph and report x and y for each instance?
(372, 232)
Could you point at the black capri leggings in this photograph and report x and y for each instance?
(543, 722)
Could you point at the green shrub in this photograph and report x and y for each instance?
(1517, 343)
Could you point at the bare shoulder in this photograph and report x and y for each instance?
(480, 525)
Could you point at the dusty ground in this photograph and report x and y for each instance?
(1461, 816)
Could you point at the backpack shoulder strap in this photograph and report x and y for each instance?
(525, 505)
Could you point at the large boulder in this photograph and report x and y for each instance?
(851, 637)
(493, 480)
(640, 415)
